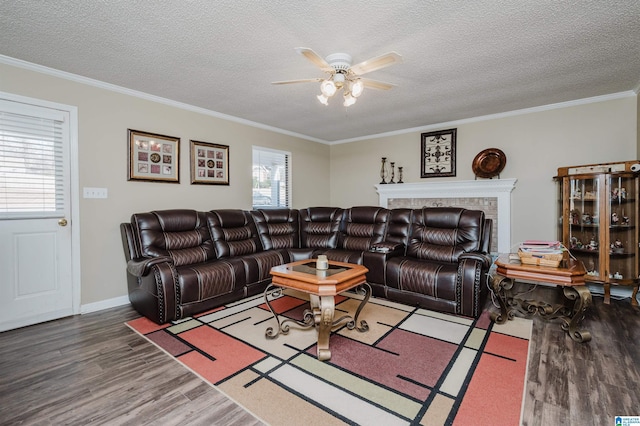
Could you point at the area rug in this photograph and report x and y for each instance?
(413, 366)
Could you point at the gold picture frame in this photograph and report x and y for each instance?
(153, 157)
(438, 154)
(209, 163)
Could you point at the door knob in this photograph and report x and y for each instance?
(62, 222)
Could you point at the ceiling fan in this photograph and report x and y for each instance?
(343, 75)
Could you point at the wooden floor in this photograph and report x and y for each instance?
(590, 383)
(93, 369)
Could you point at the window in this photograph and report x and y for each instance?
(32, 173)
(271, 178)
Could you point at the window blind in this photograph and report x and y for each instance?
(31, 165)
(271, 178)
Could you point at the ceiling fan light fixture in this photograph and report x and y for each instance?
(348, 99)
(342, 75)
(328, 88)
(357, 87)
(323, 99)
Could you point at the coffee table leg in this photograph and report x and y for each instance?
(283, 327)
(582, 297)
(323, 316)
(500, 287)
(363, 326)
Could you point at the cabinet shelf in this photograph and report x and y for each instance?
(585, 226)
(624, 201)
(621, 227)
(595, 253)
(623, 254)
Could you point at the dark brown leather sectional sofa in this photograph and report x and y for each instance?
(183, 262)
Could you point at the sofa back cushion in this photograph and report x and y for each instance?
(444, 233)
(320, 227)
(399, 226)
(278, 228)
(233, 232)
(361, 227)
(182, 235)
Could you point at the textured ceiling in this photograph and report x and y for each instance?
(461, 59)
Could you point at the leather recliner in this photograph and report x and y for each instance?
(182, 262)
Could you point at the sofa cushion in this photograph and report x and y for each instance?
(278, 228)
(182, 235)
(361, 227)
(258, 265)
(442, 234)
(207, 280)
(320, 227)
(347, 256)
(233, 232)
(434, 279)
(399, 226)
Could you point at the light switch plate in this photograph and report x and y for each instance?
(94, 192)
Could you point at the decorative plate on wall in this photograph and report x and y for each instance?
(489, 163)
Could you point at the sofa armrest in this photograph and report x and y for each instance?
(141, 266)
(484, 259)
(376, 260)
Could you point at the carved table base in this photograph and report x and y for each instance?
(577, 300)
(321, 316)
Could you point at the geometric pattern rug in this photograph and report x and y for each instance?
(413, 366)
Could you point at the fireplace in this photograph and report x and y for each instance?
(493, 196)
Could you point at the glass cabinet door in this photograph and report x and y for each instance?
(584, 223)
(599, 222)
(622, 236)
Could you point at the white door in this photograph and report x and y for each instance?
(36, 279)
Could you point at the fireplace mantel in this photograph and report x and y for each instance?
(490, 188)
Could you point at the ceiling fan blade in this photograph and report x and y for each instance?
(376, 63)
(375, 84)
(306, 80)
(315, 58)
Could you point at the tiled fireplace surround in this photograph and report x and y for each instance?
(493, 196)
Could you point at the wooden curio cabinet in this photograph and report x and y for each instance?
(598, 222)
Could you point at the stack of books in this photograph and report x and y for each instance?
(543, 253)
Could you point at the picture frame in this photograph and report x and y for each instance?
(209, 163)
(438, 153)
(153, 157)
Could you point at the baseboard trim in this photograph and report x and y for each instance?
(104, 304)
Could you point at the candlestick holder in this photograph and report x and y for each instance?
(400, 175)
(383, 171)
(393, 171)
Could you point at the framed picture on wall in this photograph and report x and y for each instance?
(438, 154)
(153, 157)
(209, 163)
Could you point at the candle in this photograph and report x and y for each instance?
(322, 262)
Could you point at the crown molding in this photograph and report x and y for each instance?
(437, 126)
(142, 95)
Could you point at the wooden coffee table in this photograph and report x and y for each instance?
(569, 277)
(321, 286)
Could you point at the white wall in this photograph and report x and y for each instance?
(104, 117)
(535, 143)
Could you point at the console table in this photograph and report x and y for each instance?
(569, 277)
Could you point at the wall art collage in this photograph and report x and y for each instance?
(156, 158)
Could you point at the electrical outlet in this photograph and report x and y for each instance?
(94, 192)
